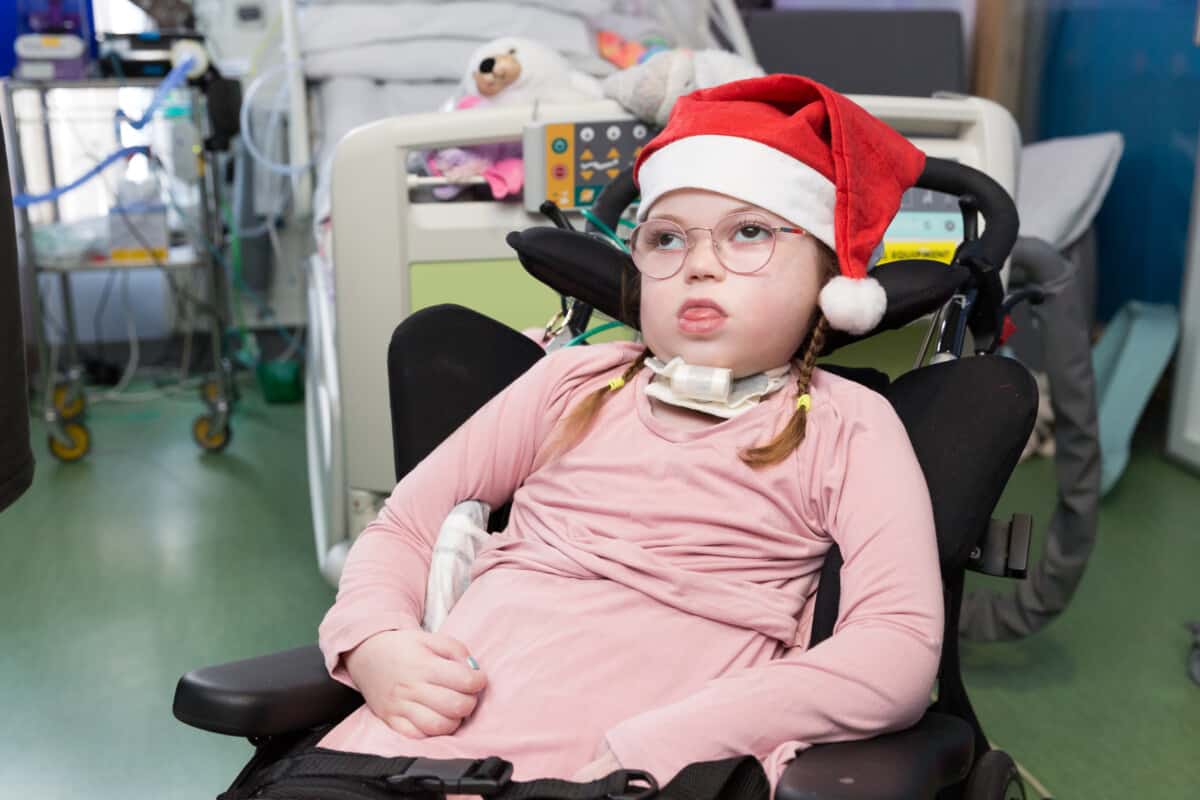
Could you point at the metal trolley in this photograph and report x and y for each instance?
(65, 398)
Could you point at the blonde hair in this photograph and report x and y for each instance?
(580, 419)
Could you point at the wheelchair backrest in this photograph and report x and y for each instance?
(968, 419)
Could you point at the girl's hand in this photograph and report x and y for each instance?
(420, 684)
(605, 764)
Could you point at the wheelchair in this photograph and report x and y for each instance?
(278, 700)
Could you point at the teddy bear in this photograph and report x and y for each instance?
(509, 71)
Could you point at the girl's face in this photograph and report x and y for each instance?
(715, 318)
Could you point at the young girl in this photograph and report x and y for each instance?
(650, 603)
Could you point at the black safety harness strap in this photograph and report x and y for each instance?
(316, 771)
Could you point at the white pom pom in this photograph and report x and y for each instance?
(854, 305)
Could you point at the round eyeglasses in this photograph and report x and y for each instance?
(742, 244)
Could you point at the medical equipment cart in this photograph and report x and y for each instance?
(64, 396)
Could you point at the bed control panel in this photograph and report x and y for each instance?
(571, 162)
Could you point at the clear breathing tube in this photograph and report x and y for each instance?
(267, 163)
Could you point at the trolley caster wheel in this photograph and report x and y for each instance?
(208, 436)
(995, 777)
(68, 407)
(78, 446)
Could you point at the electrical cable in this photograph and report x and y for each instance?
(134, 345)
(607, 231)
(264, 307)
(598, 329)
(98, 340)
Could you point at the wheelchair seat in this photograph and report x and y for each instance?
(278, 698)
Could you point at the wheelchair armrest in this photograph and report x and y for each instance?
(264, 696)
(909, 765)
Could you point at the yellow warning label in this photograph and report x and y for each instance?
(936, 251)
(560, 164)
(139, 254)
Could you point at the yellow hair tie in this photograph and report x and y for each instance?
(803, 401)
(615, 383)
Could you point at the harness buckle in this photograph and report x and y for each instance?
(483, 776)
(631, 790)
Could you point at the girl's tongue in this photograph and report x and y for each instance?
(700, 319)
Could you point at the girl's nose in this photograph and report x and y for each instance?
(701, 262)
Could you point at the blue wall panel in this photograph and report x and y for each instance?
(1131, 67)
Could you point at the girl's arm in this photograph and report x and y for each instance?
(873, 675)
(383, 582)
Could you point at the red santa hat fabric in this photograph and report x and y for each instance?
(800, 150)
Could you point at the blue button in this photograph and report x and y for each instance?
(559, 145)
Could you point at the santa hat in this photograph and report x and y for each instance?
(800, 150)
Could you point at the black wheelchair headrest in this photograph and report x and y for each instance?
(589, 268)
(592, 271)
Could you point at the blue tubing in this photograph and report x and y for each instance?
(26, 200)
(175, 77)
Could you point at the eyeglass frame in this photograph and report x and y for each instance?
(712, 242)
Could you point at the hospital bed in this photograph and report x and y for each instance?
(382, 239)
(354, 78)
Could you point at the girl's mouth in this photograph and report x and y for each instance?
(700, 319)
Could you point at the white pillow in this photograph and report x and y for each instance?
(345, 26)
(410, 60)
(1063, 183)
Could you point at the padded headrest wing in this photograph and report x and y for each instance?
(578, 265)
(589, 269)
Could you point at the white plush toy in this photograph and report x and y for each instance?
(516, 71)
(650, 89)
(507, 72)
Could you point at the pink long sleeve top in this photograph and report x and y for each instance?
(651, 591)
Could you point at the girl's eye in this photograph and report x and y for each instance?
(751, 232)
(667, 240)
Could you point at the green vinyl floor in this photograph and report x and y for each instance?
(150, 558)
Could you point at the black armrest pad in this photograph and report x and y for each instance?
(265, 696)
(910, 765)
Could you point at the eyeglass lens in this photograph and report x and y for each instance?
(743, 245)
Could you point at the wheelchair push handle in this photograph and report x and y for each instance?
(986, 196)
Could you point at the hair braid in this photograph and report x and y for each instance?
(581, 417)
(792, 435)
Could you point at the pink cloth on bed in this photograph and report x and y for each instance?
(653, 592)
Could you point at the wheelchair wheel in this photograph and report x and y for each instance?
(995, 777)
